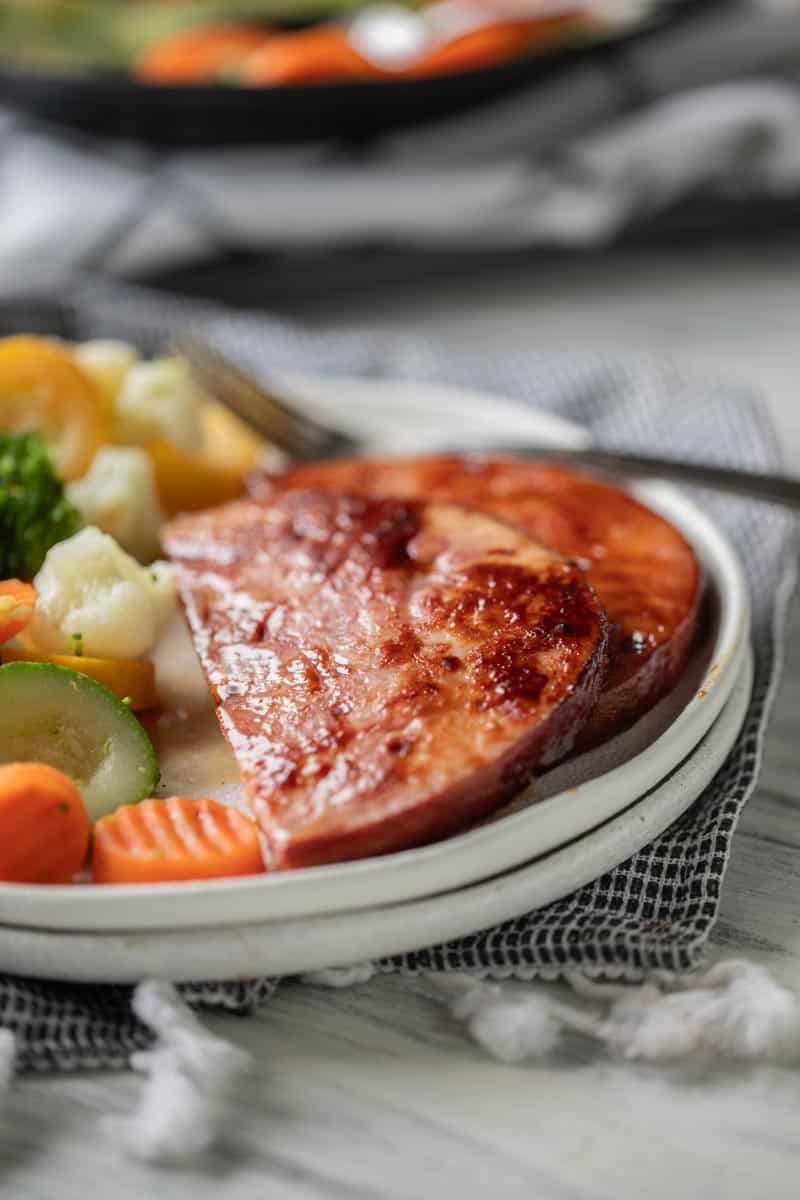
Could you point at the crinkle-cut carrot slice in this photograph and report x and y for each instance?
(161, 841)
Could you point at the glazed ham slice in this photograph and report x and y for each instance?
(641, 567)
(386, 672)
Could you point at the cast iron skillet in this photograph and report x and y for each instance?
(117, 106)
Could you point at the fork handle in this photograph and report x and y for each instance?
(757, 485)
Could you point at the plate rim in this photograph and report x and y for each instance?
(224, 902)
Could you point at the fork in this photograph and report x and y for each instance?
(275, 416)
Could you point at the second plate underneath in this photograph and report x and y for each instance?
(341, 939)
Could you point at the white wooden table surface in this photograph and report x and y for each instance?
(374, 1092)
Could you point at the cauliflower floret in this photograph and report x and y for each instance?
(118, 495)
(107, 362)
(90, 587)
(158, 399)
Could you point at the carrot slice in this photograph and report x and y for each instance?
(17, 600)
(198, 55)
(159, 841)
(44, 829)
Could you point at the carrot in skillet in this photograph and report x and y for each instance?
(199, 55)
(44, 829)
(318, 55)
(17, 600)
(479, 48)
(492, 44)
(160, 841)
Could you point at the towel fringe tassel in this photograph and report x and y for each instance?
(190, 1075)
(733, 1010)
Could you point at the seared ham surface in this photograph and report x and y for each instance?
(386, 671)
(643, 570)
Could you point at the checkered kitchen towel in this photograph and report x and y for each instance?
(656, 909)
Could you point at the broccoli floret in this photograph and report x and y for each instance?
(34, 512)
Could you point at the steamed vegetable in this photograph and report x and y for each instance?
(159, 399)
(106, 362)
(228, 442)
(186, 482)
(60, 717)
(44, 828)
(34, 512)
(118, 496)
(17, 601)
(43, 390)
(131, 679)
(89, 586)
(176, 839)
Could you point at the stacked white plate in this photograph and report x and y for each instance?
(579, 820)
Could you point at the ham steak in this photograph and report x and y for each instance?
(386, 671)
(641, 567)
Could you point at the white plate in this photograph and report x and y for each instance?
(407, 416)
(341, 939)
